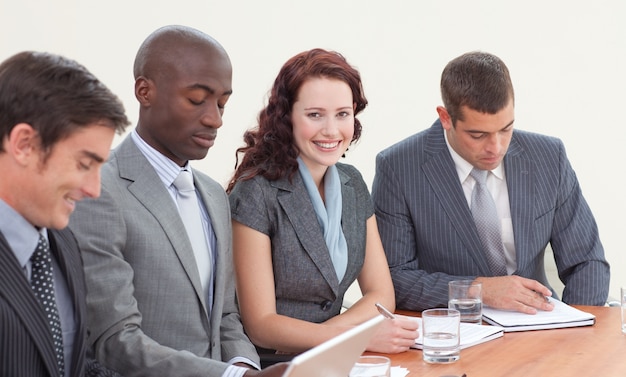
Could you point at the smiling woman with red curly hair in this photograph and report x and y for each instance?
(303, 224)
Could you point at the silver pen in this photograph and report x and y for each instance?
(384, 311)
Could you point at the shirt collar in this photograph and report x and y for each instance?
(166, 169)
(21, 235)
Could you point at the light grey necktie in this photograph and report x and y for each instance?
(488, 223)
(42, 283)
(189, 210)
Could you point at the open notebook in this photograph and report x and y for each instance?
(336, 356)
(471, 334)
(561, 316)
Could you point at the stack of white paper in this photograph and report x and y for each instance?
(561, 316)
(471, 334)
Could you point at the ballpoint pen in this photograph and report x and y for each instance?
(384, 311)
(542, 296)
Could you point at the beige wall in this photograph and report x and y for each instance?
(566, 57)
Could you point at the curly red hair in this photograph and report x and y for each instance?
(269, 149)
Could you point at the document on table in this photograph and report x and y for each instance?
(561, 316)
(399, 371)
(471, 334)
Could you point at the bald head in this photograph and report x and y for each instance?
(168, 46)
(183, 79)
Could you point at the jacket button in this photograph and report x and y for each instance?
(326, 305)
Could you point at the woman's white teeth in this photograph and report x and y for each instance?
(327, 145)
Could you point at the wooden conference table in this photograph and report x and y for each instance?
(598, 351)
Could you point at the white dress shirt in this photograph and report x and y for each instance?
(496, 183)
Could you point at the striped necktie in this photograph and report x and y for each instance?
(488, 223)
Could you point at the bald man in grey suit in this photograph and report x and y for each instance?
(423, 191)
(154, 308)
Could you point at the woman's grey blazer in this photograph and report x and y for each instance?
(306, 284)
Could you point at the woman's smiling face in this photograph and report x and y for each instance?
(323, 122)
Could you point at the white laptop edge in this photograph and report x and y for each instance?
(335, 357)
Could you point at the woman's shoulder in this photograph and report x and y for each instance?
(348, 169)
(256, 180)
(259, 184)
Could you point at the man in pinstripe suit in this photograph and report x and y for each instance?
(57, 122)
(423, 189)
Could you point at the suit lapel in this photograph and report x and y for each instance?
(71, 265)
(221, 228)
(519, 177)
(15, 288)
(148, 188)
(295, 201)
(441, 174)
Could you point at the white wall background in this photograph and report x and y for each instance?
(567, 59)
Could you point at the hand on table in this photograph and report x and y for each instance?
(515, 293)
(394, 335)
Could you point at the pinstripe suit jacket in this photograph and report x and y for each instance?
(430, 238)
(147, 314)
(306, 284)
(26, 347)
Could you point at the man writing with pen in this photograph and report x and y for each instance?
(471, 198)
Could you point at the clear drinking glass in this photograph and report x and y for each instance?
(623, 302)
(371, 366)
(441, 335)
(466, 296)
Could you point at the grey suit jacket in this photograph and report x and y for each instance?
(306, 284)
(26, 347)
(430, 238)
(146, 311)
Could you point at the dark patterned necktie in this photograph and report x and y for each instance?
(41, 281)
(488, 223)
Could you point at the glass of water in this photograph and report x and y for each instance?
(441, 336)
(371, 366)
(623, 302)
(466, 296)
